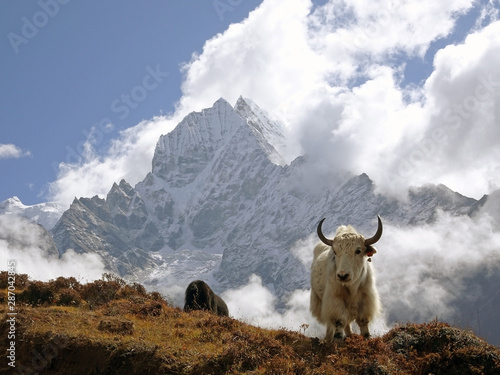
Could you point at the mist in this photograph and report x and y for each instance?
(433, 271)
(35, 254)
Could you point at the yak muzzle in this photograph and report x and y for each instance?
(343, 277)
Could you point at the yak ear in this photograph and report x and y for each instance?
(370, 250)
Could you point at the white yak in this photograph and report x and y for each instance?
(343, 283)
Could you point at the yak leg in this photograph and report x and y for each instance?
(334, 330)
(315, 305)
(347, 329)
(368, 307)
(363, 327)
(339, 330)
(329, 332)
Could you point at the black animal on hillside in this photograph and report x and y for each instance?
(199, 296)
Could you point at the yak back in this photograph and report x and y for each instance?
(199, 296)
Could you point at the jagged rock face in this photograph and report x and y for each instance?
(117, 228)
(219, 185)
(183, 154)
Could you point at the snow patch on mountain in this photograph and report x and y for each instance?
(45, 214)
(270, 132)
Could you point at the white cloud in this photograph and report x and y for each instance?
(422, 270)
(29, 245)
(459, 146)
(129, 157)
(489, 14)
(332, 73)
(254, 304)
(267, 57)
(377, 29)
(8, 151)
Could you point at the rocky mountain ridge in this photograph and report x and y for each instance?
(223, 202)
(219, 187)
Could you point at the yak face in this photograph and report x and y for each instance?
(350, 252)
(350, 255)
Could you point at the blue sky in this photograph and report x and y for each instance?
(77, 79)
(60, 82)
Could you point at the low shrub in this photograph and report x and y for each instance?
(38, 293)
(99, 292)
(21, 280)
(69, 297)
(65, 283)
(127, 291)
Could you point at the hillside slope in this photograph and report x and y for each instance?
(109, 327)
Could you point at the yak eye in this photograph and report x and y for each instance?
(358, 251)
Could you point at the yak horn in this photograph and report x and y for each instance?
(376, 237)
(321, 236)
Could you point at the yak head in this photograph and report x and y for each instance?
(350, 251)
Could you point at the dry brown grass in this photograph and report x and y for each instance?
(139, 333)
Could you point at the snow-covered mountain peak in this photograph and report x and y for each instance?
(11, 202)
(269, 131)
(208, 127)
(45, 214)
(124, 189)
(182, 154)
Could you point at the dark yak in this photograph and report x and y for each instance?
(199, 296)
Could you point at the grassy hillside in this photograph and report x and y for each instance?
(110, 327)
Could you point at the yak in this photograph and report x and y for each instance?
(199, 296)
(343, 283)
